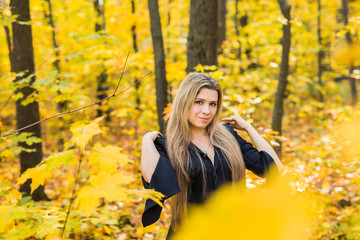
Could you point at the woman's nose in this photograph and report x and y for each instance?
(206, 108)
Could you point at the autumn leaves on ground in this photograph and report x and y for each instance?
(90, 165)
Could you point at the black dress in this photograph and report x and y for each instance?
(164, 178)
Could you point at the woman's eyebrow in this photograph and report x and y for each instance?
(205, 100)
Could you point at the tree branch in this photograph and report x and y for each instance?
(77, 109)
(122, 73)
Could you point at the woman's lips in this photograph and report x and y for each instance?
(204, 119)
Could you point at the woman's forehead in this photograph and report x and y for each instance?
(208, 94)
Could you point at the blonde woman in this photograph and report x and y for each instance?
(200, 152)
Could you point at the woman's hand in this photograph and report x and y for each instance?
(152, 135)
(237, 122)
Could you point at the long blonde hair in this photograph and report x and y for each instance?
(178, 140)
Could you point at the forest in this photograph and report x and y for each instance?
(82, 81)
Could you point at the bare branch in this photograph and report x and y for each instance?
(75, 110)
(122, 73)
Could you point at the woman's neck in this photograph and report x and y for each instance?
(198, 133)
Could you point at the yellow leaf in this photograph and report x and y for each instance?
(8, 215)
(148, 193)
(37, 174)
(88, 200)
(199, 68)
(272, 214)
(346, 54)
(102, 186)
(342, 33)
(118, 179)
(83, 132)
(58, 159)
(211, 68)
(13, 196)
(122, 113)
(167, 111)
(108, 158)
(107, 230)
(148, 229)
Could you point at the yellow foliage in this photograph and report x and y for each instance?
(13, 196)
(348, 134)
(84, 131)
(108, 158)
(37, 174)
(167, 111)
(8, 215)
(346, 54)
(103, 186)
(273, 213)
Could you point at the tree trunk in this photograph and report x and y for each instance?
(170, 97)
(345, 12)
(22, 60)
(6, 28)
(284, 71)
(101, 79)
(62, 105)
(159, 57)
(221, 23)
(237, 32)
(202, 38)
(137, 84)
(321, 51)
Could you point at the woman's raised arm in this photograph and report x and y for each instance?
(260, 143)
(149, 155)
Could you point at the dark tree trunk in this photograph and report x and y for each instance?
(202, 38)
(22, 60)
(239, 23)
(321, 51)
(7, 31)
(278, 111)
(236, 23)
(221, 23)
(159, 57)
(170, 97)
(61, 106)
(101, 79)
(137, 84)
(345, 13)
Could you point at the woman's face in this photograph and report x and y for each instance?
(203, 109)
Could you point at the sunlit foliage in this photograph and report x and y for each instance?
(320, 139)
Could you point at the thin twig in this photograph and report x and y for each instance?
(75, 110)
(122, 73)
(73, 194)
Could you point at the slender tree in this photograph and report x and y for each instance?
(321, 51)
(159, 57)
(345, 13)
(61, 106)
(202, 38)
(101, 79)
(137, 83)
(6, 28)
(236, 23)
(278, 110)
(22, 60)
(221, 23)
(170, 97)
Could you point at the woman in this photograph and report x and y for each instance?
(200, 152)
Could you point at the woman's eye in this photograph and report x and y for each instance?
(213, 104)
(198, 102)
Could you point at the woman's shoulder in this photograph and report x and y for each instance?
(230, 129)
(160, 143)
